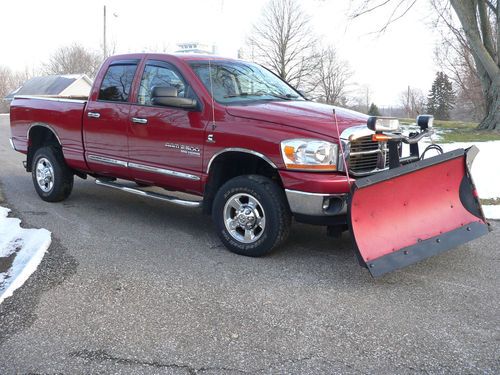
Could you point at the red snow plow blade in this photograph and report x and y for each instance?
(409, 213)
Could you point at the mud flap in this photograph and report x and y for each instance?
(409, 213)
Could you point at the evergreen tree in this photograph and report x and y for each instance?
(373, 111)
(441, 97)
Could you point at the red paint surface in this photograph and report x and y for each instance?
(63, 117)
(396, 213)
(311, 182)
(259, 128)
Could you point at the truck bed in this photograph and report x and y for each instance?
(62, 115)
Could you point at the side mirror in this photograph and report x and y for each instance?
(167, 96)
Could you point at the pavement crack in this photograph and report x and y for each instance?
(102, 355)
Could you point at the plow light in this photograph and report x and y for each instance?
(382, 124)
(425, 121)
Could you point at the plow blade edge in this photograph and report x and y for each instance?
(406, 214)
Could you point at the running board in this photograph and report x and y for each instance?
(149, 194)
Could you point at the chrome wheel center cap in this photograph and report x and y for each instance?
(47, 176)
(246, 217)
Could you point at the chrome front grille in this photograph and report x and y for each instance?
(367, 157)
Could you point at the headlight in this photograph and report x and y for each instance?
(309, 154)
(382, 124)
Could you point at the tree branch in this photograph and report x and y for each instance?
(484, 23)
(466, 13)
(355, 15)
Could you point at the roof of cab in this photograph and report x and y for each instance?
(201, 56)
(180, 56)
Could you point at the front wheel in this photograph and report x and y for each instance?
(251, 215)
(52, 178)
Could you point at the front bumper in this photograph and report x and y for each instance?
(317, 208)
(316, 204)
(316, 198)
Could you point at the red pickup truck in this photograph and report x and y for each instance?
(257, 152)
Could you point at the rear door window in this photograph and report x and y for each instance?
(117, 83)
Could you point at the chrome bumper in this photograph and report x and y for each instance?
(12, 144)
(316, 204)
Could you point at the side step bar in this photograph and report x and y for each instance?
(149, 194)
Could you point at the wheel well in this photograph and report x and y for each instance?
(232, 164)
(39, 136)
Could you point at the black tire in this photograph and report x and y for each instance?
(273, 207)
(61, 176)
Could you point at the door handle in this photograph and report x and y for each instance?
(93, 114)
(139, 120)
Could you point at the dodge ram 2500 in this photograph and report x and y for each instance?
(257, 152)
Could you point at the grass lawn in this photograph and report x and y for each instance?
(490, 201)
(459, 131)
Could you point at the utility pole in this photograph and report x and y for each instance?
(408, 109)
(104, 36)
(367, 99)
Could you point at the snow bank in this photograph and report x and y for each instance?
(21, 251)
(492, 212)
(485, 169)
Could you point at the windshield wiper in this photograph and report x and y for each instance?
(281, 96)
(273, 94)
(240, 95)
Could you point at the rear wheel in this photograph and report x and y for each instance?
(52, 178)
(251, 215)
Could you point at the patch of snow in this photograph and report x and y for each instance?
(492, 212)
(23, 248)
(485, 168)
(485, 172)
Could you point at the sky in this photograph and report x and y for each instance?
(385, 64)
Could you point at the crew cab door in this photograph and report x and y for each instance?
(165, 143)
(106, 120)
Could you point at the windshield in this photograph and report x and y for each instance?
(237, 82)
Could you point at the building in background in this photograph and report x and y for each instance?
(67, 85)
(195, 47)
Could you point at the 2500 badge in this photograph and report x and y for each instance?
(185, 149)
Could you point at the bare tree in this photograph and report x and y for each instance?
(413, 102)
(457, 62)
(331, 77)
(479, 29)
(479, 18)
(73, 59)
(9, 81)
(456, 58)
(284, 42)
(6, 81)
(361, 99)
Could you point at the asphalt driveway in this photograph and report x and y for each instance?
(131, 285)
